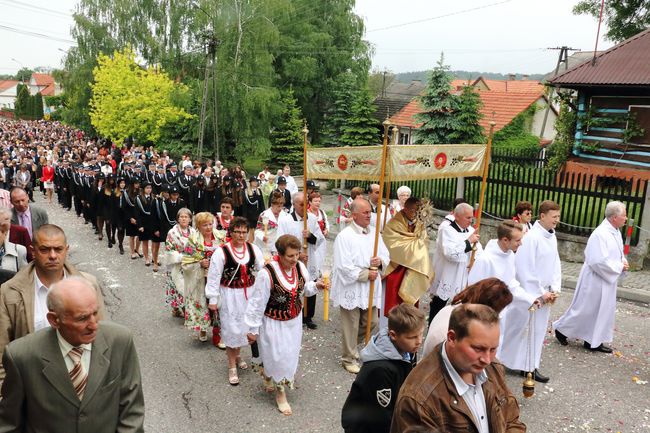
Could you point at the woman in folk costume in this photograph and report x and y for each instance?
(273, 316)
(524, 215)
(346, 214)
(265, 237)
(201, 244)
(223, 219)
(175, 244)
(230, 279)
(253, 205)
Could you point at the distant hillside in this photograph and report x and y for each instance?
(407, 77)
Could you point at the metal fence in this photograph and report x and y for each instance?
(517, 176)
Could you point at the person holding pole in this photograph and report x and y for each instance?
(590, 316)
(410, 272)
(354, 269)
(294, 225)
(454, 245)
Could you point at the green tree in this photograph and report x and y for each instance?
(23, 100)
(287, 138)
(37, 112)
(24, 75)
(440, 115)
(378, 82)
(129, 101)
(469, 116)
(360, 129)
(624, 18)
(340, 109)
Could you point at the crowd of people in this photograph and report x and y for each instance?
(243, 268)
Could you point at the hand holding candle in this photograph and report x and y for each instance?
(326, 297)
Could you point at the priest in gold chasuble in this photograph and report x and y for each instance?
(409, 273)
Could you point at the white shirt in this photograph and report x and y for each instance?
(67, 347)
(472, 394)
(291, 184)
(40, 303)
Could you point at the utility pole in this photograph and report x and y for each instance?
(563, 58)
(211, 44)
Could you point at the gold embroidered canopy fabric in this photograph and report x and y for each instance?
(403, 162)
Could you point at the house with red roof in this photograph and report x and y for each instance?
(502, 101)
(45, 84)
(613, 105)
(8, 91)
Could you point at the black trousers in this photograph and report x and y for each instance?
(310, 307)
(435, 306)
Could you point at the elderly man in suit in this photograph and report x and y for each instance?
(23, 307)
(24, 214)
(79, 375)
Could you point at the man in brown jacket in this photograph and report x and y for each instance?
(459, 387)
(23, 306)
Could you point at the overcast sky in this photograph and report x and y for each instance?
(479, 35)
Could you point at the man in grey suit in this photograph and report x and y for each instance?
(24, 214)
(79, 375)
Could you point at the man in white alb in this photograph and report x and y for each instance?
(453, 250)
(538, 270)
(354, 269)
(590, 316)
(292, 186)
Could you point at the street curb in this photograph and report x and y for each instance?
(628, 294)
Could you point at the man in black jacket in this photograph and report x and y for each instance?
(387, 360)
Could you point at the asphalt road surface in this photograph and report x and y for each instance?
(185, 381)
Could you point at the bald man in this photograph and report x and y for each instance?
(78, 375)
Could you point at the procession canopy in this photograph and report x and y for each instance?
(405, 162)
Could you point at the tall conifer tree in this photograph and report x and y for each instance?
(287, 137)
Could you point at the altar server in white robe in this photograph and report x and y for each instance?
(590, 316)
(265, 239)
(293, 225)
(273, 315)
(498, 261)
(354, 268)
(538, 270)
(454, 246)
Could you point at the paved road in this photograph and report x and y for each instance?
(186, 388)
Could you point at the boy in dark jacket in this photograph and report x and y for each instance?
(387, 360)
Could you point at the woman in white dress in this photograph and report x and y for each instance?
(265, 239)
(231, 277)
(174, 246)
(274, 317)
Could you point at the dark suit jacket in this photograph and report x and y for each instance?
(39, 217)
(38, 395)
(19, 235)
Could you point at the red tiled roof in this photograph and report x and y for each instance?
(45, 82)
(523, 86)
(502, 107)
(627, 63)
(499, 106)
(7, 84)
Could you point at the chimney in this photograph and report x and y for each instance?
(512, 77)
(525, 77)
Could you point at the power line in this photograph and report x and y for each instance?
(36, 34)
(36, 8)
(439, 16)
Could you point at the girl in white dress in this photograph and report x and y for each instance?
(274, 316)
(265, 238)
